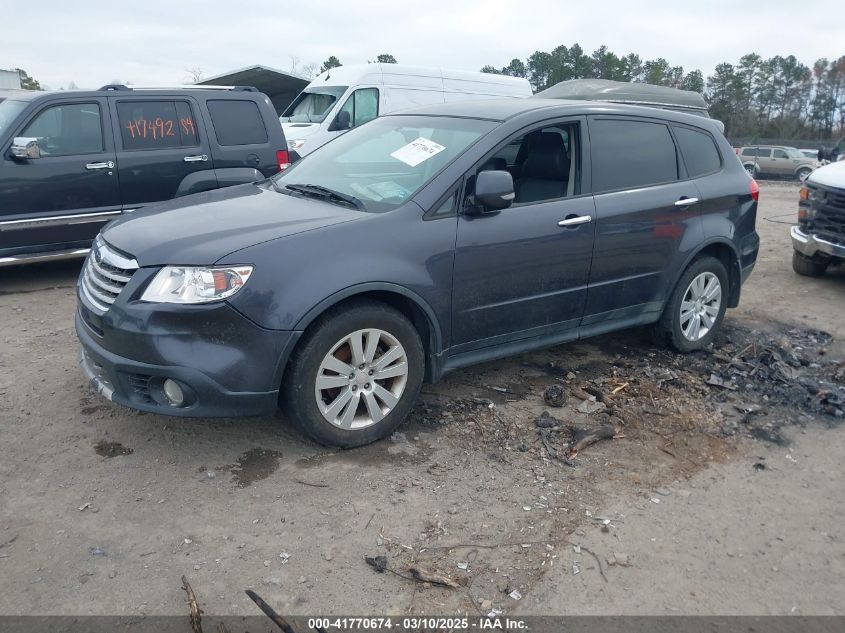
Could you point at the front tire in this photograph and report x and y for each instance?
(696, 308)
(355, 376)
(803, 173)
(808, 266)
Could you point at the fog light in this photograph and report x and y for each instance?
(173, 392)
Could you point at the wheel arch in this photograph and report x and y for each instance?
(406, 301)
(725, 251)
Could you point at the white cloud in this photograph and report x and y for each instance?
(153, 42)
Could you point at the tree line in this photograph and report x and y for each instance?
(778, 97)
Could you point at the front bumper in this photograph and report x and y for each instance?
(138, 384)
(811, 245)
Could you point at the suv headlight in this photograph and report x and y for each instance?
(189, 284)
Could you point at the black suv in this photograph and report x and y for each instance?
(411, 246)
(73, 160)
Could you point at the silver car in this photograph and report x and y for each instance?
(776, 160)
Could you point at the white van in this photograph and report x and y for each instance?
(347, 96)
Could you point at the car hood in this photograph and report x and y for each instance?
(832, 175)
(299, 130)
(202, 228)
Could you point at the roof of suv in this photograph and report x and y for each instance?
(504, 109)
(32, 95)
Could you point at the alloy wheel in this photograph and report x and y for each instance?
(700, 306)
(361, 379)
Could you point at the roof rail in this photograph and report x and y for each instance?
(180, 87)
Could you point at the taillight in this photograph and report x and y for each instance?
(755, 190)
(283, 159)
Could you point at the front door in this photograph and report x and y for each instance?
(522, 272)
(64, 197)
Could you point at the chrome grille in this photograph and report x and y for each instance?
(105, 274)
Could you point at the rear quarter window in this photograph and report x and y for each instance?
(237, 122)
(701, 156)
(630, 154)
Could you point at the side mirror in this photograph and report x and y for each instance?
(343, 121)
(494, 190)
(25, 147)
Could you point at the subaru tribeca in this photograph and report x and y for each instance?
(414, 245)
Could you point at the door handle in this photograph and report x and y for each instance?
(104, 165)
(575, 220)
(685, 202)
(200, 158)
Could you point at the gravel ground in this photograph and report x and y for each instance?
(103, 509)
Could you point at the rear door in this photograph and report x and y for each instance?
(65, 196)
(764, 161)
(162, 149)
(647, 217)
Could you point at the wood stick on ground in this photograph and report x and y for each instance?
(586, 437)
(196, 612)
(269, 612)
(424, 575)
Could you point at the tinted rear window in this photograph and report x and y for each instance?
(631, 154)
(699, 151)
(237, 122)
(156, 124)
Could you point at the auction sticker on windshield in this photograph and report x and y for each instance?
(417, 151)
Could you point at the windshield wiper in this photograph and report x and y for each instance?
(327, 194)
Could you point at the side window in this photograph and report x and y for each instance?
(543, 164)
(764, 153)
(630, 154)
(156, 124)
(779, 153)
(68, 129)
(701, 156)
(237, 122)
(749, 151)
(362, 105)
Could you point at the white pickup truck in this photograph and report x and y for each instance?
(819, 236)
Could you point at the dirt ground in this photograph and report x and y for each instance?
(712, 498)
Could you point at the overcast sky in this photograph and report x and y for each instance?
(154, 41)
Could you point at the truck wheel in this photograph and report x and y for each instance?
(803, 173)
(808, 266)
(696, 308)
(355, 376)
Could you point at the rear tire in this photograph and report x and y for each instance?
(346, 351)
(696, 308)
(752, 170)
(808, 266)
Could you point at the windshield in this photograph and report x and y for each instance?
(9, 111)
(385, 161)
(312, 105)
(794, 153)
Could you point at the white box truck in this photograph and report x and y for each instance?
(347, 96)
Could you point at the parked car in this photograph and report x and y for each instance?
(632, 93)
(416, 244)
(818, 238)
(770, 160)
(74, 160)
(348, 96)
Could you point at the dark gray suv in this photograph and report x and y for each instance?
(414, 245)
